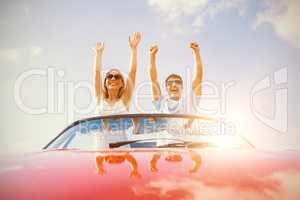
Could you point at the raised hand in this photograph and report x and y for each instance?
(134, 41)
(100, 47)
(153, 50)
(194, 46)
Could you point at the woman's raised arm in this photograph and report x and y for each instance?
(133, 43)
(98, 71)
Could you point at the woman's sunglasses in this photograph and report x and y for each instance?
(116, 76)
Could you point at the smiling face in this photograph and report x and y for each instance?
(114, 80)
(174, 87)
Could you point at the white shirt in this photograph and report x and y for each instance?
(183, 106)
(105, 108)
(109, 136)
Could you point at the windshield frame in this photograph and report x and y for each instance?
(115, 116)
(140, 115)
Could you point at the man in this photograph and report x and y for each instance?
(174, 101)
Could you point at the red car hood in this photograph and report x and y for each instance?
(152, 174)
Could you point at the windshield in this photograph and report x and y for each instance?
(147, 131)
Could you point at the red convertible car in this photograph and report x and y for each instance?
(150, 156)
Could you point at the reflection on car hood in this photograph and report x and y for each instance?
(152, 174)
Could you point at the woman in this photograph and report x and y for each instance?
(113, 95)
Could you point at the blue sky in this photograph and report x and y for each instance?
(241, 42)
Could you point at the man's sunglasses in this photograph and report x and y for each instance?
(177, 82)
(116, 76)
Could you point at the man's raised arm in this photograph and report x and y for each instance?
(196, 84)
(156, 93)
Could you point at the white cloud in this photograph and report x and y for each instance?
(284, 17)
(9, 55)
(18, 55)
(172, 10)
(198, 22)
(253, 186)
(223, 5)
(200, 10)
(35, 51)
(176, 8)
(216, 8)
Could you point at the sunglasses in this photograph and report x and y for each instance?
(116, 76)
(177, 82)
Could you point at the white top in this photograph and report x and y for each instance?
(105, 108)
(184, 105)
(108, 136)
